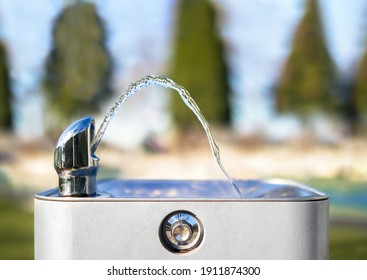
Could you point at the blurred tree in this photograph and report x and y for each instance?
(79, 66)
(348, 108)
(198, 64)
(360, 87)
(308, 77)
(5, 93)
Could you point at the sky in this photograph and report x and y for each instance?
(257, 35)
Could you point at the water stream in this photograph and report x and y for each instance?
(187, 99)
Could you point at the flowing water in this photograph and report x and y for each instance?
(187, 99)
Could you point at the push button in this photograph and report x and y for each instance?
(181, 232)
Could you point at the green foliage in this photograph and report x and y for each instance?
(198, 64)
(79, 66)
(5, 94)
(308, 77)
(360, 87)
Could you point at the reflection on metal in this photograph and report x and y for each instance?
(252, 190)
(181, 232)
(74, 163)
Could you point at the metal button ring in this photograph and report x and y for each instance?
(181, 232)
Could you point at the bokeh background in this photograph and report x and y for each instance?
(282, 83)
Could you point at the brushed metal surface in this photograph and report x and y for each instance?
(130, 230)
(274, 221)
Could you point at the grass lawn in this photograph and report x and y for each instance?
(348, 243)
(16, 236)
(16, 231)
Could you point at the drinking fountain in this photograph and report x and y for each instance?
(84, 218)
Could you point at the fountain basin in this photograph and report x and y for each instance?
(129, 219)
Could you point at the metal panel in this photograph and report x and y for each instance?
(86, 229)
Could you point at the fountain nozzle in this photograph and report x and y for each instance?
(74, 162)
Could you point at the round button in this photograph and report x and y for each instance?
(181, 232)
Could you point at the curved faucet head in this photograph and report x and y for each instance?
(74, 162)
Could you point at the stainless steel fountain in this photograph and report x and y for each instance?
(171, 219)
(163, 219)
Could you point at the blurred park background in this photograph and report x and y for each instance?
(282, 83)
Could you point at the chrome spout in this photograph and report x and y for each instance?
(74, 162)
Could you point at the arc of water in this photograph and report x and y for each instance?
(187, 99)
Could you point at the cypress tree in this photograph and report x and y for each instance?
(360, 87)
(5, 93)
(198, 64)
(308, 77)
(79, 66)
